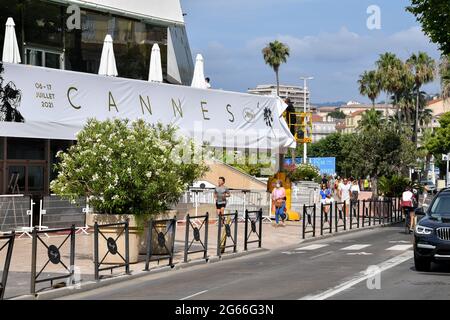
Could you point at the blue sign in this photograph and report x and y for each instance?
(326, 165)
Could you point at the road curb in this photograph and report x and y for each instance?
(340, 233)
(91, 285)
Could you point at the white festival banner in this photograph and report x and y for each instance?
(45, 103)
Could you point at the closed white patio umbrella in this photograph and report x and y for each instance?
(11, 51)
(199, 74)
(108, 61)
(155, 74)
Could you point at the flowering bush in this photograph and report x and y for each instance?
(128, 168)
(302, 172)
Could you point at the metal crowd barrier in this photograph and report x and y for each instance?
(309, 220)
(112, 248)
(326, 217)
(58, 212)
(255, 221)
(160, 241)
(16, 214)
(196, 236)
(226, 223)
(9, 245)
(362, 214)
(54, 256)
(354, 213)
(367, 213)
(340, 214)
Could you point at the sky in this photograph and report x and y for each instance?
(329, 40)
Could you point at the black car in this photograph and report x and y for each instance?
(432, 233)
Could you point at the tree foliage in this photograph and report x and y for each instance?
(275, 54)
(434, 17)
(337, 114)
(128, 168)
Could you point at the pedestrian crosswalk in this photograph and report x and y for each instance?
(400, 247)
(354, 249)
(312, 247)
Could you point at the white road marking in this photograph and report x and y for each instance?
(362, 276)
(292, 252)
(356, 247)
(312, 247)
(400, 247)
(400, 241)
(194, 295)
(322, 254)
(359, 254)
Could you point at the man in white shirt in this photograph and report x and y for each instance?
(344, 194)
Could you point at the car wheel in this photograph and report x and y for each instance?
(422, 264)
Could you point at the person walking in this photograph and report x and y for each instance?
(407, 205)
(221, 194)
(354, 194)
(344, 194)
(279, 198)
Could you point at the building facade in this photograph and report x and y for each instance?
(295, 93)
(46, 39)
(322, 128)
(48, 35)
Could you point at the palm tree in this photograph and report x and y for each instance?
(391, 70)
(423, 68)
(275, 54)
(371, 119)
(444, 71)
(370, 85)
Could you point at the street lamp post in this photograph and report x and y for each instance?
(305, 145)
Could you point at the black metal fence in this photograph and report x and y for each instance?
(197, 230)
(160, 241)
(340, 216)
(8, 246)
(309, 220)
(255, 219)
(359, 214)
(354, 214)
(225, 226)
(326, 218)
(111, 248)
(54, 256)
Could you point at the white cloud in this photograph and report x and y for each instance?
(335, 59)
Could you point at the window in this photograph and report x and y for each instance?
(133, 41)
(43, 24)
(44, 58)
(26, 149)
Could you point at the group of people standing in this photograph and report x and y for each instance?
(339, 190)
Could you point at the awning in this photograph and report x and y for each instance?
(53, 104)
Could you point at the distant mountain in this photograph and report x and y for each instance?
(330, 104)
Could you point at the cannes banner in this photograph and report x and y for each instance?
(45, 103)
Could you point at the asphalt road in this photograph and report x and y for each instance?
(342, 267)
